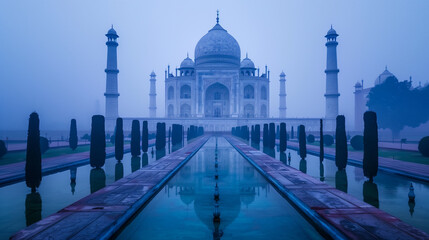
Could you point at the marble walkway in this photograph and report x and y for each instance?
(326, 206)
(408, 169)
(101, 214)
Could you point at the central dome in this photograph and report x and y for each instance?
(217, 47)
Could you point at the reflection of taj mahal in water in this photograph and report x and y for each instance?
(218, 90)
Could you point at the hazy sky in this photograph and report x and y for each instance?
(53, 53)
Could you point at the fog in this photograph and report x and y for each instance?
(53, 53)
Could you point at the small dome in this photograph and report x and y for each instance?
(217, 46)
(112, 31)
(383, 76)
(358, 85)
(187, 63)
(247, 63)
(282, 74)
(331, 33)
(152, 74)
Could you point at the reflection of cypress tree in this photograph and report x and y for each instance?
(160, 153)
(119, 171)
(411, 205)
(303, 165)
(283, 157)
(145, 159)
(291, 133)
(135, 138)
(270, 152)
(341, 153)
(135, 164)
(282, 136)
(370, 145)
(322, 172)
(33, 163)
(302, 142)
(97, 179)
(370, 193)
(119, 139)
(33, 208)
(145, 137)
(341, 180)
(322, 149)
(73, 135)
(73, 172)
(97, 151)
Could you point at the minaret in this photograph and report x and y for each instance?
(111, 76)
(282, 96)
(152, 96)
(331, 71)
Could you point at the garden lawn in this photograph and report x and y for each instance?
(19, 156)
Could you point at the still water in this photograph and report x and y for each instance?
(388, 192)
(250, 208)
(20, 208)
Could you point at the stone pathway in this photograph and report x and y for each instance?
(327, 206)
(408, 169)
(101, 214)
(15, 172)
(14, 147)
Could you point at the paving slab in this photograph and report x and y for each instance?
(15, 172)
(336, 213)
(101, 214)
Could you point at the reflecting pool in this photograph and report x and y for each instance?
(388, 192)
(250, 208)
(20, 208)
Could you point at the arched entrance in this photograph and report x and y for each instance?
(216, 101)
(249, 111)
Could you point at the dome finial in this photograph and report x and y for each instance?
(385, 68)
(187, 54)
(246, 55)
(331, 26)
(217, 18)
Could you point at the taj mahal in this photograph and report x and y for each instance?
(218, 90)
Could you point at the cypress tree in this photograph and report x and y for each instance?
(145, 137)
(272, 135)
(322, 149)
(119, 139)
(302, 142)
(73, 135)
(265, 135)
(278, 132)
(282, 137)
(97, 153)
(135, 138)
(33, 161)
(252, 133)
(370, 145)
(163, 135)
(341, 153)
(291, 133)
(257, 133)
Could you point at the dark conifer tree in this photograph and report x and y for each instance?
(370, 145)
(119, 139)
(302, 142)
(145, 137)
(33, 163)
(135, 138)
(73, 135)
(322, 149)
(292, 133)
(97, 153)
(341, 153)
(252, 133)
(257, 133)
(282, 137)
(265, 136)
(272, 135)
